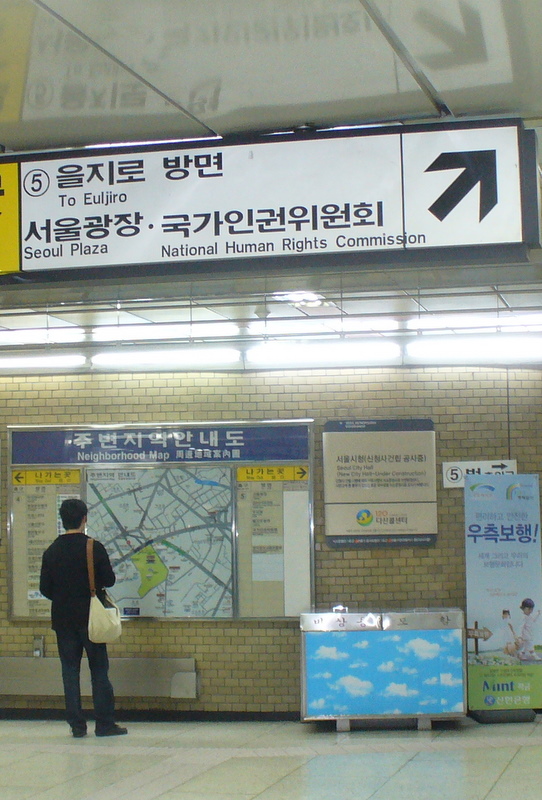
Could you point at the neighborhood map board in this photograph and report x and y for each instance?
(190, 532)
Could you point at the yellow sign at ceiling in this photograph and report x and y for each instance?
(9, 218)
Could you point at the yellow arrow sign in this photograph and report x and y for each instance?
(299, 472)
(45, 477)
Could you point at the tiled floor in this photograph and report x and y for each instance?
(272, 761)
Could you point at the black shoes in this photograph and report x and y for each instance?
(113, 730)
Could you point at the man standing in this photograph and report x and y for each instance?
(64, 581)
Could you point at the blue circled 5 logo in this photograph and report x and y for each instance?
(364, 517)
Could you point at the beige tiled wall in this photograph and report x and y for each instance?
(253, 666)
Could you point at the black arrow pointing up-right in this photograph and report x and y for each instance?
(479, 166)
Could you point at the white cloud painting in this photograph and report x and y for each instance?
(405, 673)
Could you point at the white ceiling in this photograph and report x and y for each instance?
(77, 73)
(132, 70)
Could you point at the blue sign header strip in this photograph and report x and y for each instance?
(183, 444)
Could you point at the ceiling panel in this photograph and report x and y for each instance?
(246, 66)
(97, 317)
(61, 90)
(462, 301)
(33, 319)
(397, 304)
(179, 314)
(481, 57)
(519, 299)
(384, 313)
(77, 72)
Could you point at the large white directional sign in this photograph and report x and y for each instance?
(381, 190)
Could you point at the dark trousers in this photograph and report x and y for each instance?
(71, 643)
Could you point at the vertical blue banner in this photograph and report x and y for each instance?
(504, 591)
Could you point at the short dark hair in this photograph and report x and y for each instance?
(72, 512)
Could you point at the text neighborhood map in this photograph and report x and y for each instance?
(168, 532)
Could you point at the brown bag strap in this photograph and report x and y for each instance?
(90, 566)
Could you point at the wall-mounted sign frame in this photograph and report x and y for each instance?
(380, 483)
(210, 520)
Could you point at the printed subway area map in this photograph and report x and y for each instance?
(168, 532)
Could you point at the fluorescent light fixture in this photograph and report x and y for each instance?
(459, 321)
(67, 335)
(42, 362)
(352, 324)
(167, 359)
(483, 349)
(149, 331)
(284, 354)
(308, 325)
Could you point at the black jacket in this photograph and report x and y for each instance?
(64, 578)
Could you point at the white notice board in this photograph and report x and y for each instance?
(379, 482)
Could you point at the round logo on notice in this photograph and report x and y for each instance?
(364, 517)
(489, 700)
